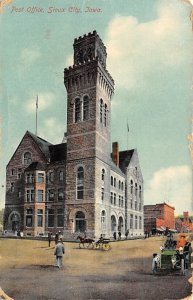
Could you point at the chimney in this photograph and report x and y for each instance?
(115, 153)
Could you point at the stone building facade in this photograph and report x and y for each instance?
(83, 185)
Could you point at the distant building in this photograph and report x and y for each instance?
(184, 223)
(77, 186)
(159, 217)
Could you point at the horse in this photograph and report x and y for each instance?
(83, 241)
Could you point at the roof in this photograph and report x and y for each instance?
(58, 152)
(115, 168)
(42, 144)
(36, 166)
(125, 158)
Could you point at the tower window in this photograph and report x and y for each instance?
(85, 108)
(102, 194)
(80, 183)
(101, 110)
(77, 110)
(103, 175)
(105, 115)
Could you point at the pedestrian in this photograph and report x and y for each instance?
(115, 236)
(49, 238)
(119, 234)
(56, 238)
(126, 234)
(59, 252)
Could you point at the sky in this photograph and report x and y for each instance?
(149, 55)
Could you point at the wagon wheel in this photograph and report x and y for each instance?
(97, 245)
(106, 247)
(81, 245)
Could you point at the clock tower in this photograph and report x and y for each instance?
(89, 91)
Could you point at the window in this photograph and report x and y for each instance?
(50, 217)
(111, 198)
(40, 217)
(122, 186)
(29, 178)
(27, 159)
(51, 176)
(131, 187)
(12, 187)
(131, 221)
(40, 177)
(135, 205)
(114, 199)
(80, 225)
(135, 222)
(103, 216)
(135, 189)
(119, 184)
(61, 175)
(19, 193)
(112, 180)
(119, 200)
(139, 192)
(102, 194)
(103, 175)
(140, 222)
(105, 116)
(122, 201)
(60, 194)
(60, 218)
(13, 172)
(77, 110)
(30, 195)
(40, 195)
(85, 108)
(51, 195)
(101, 110)
(29, 218)
(80, 183)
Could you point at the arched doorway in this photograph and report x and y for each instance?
(113, 224)
(120, 224)
(14, 221)
(80, 222)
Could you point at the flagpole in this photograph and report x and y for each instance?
(37, 115)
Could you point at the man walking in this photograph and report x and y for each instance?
(59, 252)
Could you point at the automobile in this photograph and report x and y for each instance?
(175, 260)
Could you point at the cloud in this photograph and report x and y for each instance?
(45, 100)
(69, 60)
(53, 130)
(29, 56)
(137, 50)
(172, 185)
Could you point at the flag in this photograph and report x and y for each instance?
(37, 102)
(127, 126)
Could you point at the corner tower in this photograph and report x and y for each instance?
(89, 91)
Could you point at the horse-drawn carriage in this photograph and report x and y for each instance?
(102, 243)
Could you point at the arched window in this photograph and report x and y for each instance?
(131, 182)
(119, 184)
(113, 223)
(27, 159)
(112, 180)
(61, 175)
(80, 225)
(103, 214)
(85, 108)
(105, 115)
(136, 189)
(80, 183)
(101, 110)
(135, 222)
(103, 175)
(122, 186)
(77, 117)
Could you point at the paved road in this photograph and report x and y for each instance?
(124, 272)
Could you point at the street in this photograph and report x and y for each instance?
(27, 272)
